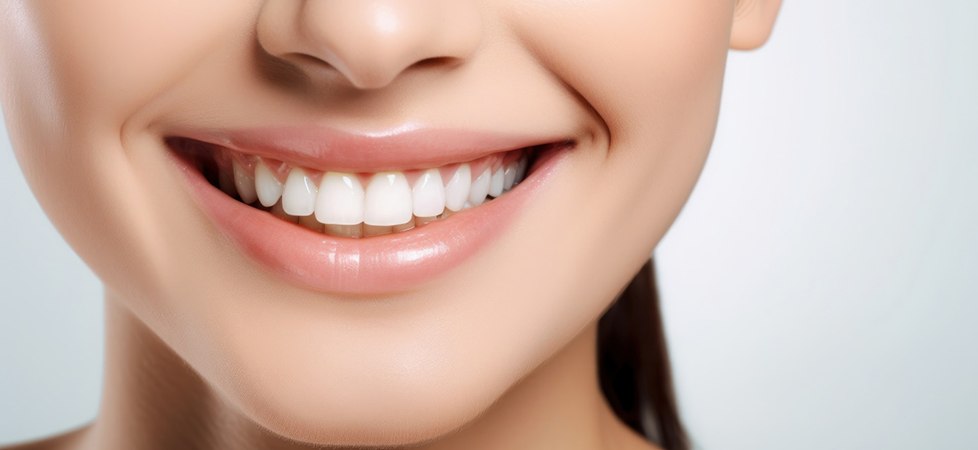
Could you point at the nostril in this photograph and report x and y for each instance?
(436, 61)
(303, 58)
(307, 61)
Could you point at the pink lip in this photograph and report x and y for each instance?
(375, 265)
(327, 148)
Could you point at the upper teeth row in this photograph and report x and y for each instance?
(339, 198)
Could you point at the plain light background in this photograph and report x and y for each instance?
(820, 289)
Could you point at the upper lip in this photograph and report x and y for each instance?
(325, 148)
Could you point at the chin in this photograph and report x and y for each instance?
(306, 372)
(363, 426)
(361, 406)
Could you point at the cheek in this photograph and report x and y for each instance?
(652, 71)
(74, 78)
(112, 57)
(645, 67)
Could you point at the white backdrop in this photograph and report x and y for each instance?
(820, 289)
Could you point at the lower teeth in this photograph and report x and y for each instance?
(360, 230)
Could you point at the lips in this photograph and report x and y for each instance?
(401, 149)
(391, 250)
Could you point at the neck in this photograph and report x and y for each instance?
(151, 399)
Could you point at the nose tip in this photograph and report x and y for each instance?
(370, 42)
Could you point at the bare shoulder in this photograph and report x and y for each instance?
(69, 440)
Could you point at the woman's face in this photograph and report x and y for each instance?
(401, 336)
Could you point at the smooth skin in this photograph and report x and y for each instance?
(205, 349)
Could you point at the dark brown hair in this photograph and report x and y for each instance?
(633, 363)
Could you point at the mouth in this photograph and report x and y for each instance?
(356, 204)
(362, 214)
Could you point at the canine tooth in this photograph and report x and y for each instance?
(350, 231)
(299, 194)
(388, 200)
(245, 183)
(509, 175)
(496, 183)
(376, 230)
(457, 189)
(480, 187)
(267, 187)
(428, 194)
(341, 199)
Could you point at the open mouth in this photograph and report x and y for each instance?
(363, 214)
(352, 204)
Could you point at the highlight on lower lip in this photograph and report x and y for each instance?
(375, 265)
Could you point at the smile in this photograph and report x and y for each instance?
(366, 214)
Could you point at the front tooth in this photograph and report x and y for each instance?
(496, 183)
(267, 187)
(510, 175)
(428, 195)
(388, 200)
(480, 187)
(341, 199)
(299, 195)
(245, 183)
(457, 189)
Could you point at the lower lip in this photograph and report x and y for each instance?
(385, 264)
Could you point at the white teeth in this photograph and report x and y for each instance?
(428, 195)
(388, 200)
(457, 189)
(480, 188)
(299, 196)
(267, 187)
(340, 205)
(245, 183)
(496, 183)
(509, 175)
(341, 199)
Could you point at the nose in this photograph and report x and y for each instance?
(369, 42)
